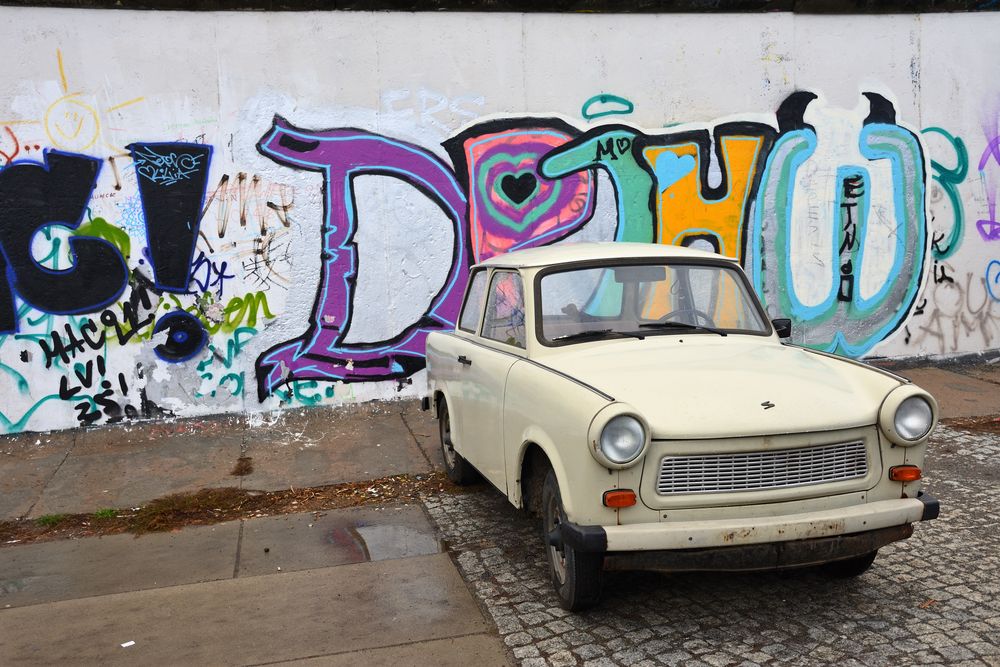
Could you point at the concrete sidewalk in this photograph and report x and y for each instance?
(367, 585)
(126, 466)
(359, 586)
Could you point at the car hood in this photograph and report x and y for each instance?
(703, 386)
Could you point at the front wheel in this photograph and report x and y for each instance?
(850, 567)
(576, 575)
(458, 469)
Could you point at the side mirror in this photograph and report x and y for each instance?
(782, 327)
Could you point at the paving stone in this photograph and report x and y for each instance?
(956, 653)
(576, 637)
(627, 657)
(589, 651)
(600, 662)
(559, 627)
(562, 659)
(536, 618)
(673, 658)
(551, 645)
(525, 652)
(517, 639)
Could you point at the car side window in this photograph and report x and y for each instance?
(473, 303)
(504, 320)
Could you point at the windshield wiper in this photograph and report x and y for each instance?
(682, 325)
(599, 333)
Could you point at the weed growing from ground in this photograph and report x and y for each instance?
(50, 520)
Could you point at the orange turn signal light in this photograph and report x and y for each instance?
(904, 473)
(619, 498)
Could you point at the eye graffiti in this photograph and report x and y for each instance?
(185, 336)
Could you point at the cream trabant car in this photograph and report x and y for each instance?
(637, 397)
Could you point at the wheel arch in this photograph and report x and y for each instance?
(535, 456)
(437, 399)
(442, 399)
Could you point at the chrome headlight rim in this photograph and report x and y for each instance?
(602, 420)
(890, 411)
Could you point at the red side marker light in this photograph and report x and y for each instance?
(904, 473)
(619, 498)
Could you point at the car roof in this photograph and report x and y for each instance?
(581, 252)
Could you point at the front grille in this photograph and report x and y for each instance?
(757, 471)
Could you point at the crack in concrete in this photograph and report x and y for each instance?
(402, 418)
(239, 550)
(51, 477)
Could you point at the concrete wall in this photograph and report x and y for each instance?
(247, 211)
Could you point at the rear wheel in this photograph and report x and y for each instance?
(576, 575)
(850, 567)
(458, 469)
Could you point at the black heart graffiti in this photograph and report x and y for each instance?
(519, 188)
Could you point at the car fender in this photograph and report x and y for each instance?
(554, 411)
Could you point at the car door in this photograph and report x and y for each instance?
(483, 375)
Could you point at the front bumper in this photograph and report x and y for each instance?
(877, 518)
(770, 556)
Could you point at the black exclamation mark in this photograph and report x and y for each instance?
(171, 178)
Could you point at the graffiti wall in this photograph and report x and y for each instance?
(245, 212)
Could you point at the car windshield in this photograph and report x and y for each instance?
(585, 304)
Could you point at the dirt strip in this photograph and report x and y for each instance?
(216, 505)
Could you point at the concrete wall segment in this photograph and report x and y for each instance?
(353, 164)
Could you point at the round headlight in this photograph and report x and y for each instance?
(622, 439)
(914, 418)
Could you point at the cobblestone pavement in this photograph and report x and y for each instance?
(932, 599)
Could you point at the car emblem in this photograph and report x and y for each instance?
(767, 405)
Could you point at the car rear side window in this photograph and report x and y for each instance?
(473, 303)
(504, 319)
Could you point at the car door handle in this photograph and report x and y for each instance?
(464, 360)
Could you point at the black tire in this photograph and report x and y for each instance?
(458, 469)
(576, 575)
(851, 567)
